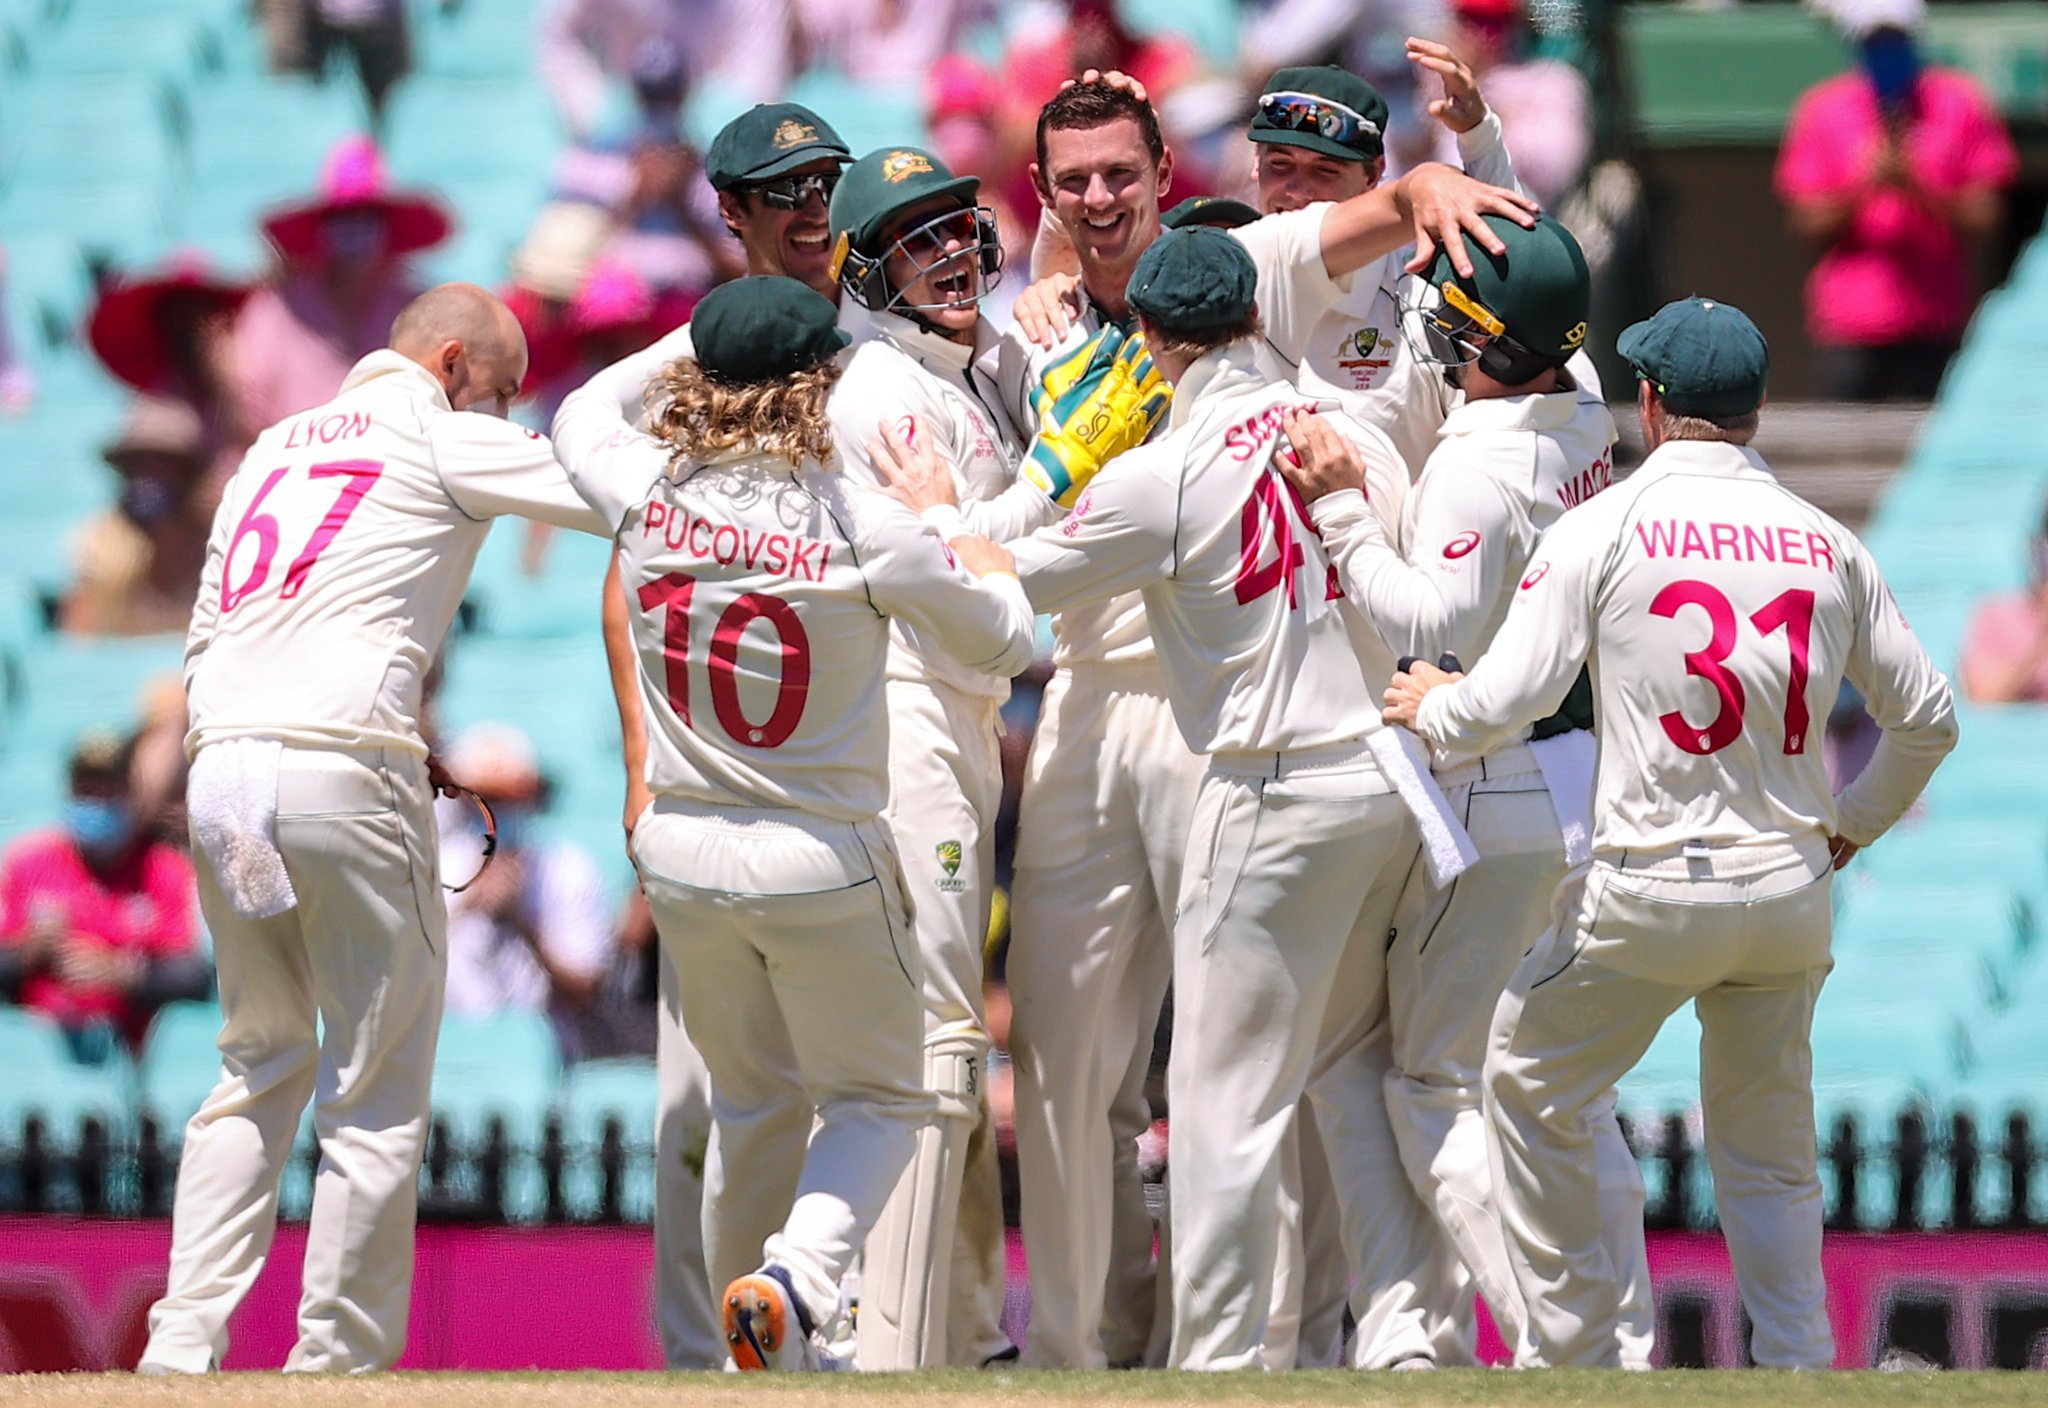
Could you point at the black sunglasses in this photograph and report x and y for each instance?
(790, 192)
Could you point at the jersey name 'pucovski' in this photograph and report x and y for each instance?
(1721, 610)
(1257, 646)
(340, 552)
(761, 597)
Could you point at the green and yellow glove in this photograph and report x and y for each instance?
(1099, 400)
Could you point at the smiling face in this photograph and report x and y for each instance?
(933, 264)
(796, 243)
(1102, 186)
(1293, 177)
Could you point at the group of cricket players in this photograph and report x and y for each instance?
(1428, 766)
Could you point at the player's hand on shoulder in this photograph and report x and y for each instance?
(1048, 309)
(909, 468)
(1319, 460)
(980, 556)
(1406, 690)
(1461, 108)
(1446, 207)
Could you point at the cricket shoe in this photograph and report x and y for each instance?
(766, 1325)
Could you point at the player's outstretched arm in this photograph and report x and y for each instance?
(969, 601)
(1119, 538)
(624, 669)
(1431, 205)
(1535, 656)
(609, 464)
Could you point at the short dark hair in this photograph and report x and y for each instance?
(1090, 105)
(1189, 345)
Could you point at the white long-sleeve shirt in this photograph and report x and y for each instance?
(1502, 473)
(1719, 613)
(1254, 638)
(1340, 336)
(932, 388)
(339, 554)
(763, 594)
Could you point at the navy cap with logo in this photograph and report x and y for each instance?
(1196, 279)
(763, 328)
(768, 140)
(1322, 109)
(1704, 357)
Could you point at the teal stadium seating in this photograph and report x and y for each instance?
(593, 1094)
(43, 1079)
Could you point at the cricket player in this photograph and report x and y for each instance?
(916, 253)
(339, 554)
(774, 167)
(1522, 444)
(764, 584)
(1301, 830)
(1333, 321)
(1719, 614)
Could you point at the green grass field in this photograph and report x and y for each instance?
(1451, 1389)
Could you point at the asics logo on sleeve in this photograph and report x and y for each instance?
(1461, 545)
(1535, 576)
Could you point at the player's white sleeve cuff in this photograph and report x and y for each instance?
(1340, 507)
(1482, 141)
(948, 520)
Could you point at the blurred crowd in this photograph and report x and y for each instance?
(1889, 170)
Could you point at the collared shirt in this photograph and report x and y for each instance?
(1258, 648)
(340, 553)
(1719, 613)
(1899, 272)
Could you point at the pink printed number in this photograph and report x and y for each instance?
(673, 594)
(1792, 610)
(361, 474)
(1265, 515)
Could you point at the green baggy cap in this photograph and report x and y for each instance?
(764, 328)
(1705, 358)
(1194, 280)
(1323, 109)
(768, 140)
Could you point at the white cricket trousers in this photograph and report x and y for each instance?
(800, 988)
(337, 1000)
(1295, 862)
(945, 788)
(1101, 834)
(685, 1304)
(1743, 932)
(1454, 951)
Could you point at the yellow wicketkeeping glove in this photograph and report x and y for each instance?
(1093, 404)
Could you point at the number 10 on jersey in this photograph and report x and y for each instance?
(672, 595)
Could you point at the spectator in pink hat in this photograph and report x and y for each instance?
(343, 278)
(168, 333)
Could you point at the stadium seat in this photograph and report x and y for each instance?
(75, 685)
(43, 1079)
(505, 1065)
(66, 133)
(433, 125)
(156, 43)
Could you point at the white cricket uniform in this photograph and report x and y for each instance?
(1340, 338)
(763, 598)
(338, 557)
(1279, 937)
(1503, 471)
(1718, 614)
(945, 787)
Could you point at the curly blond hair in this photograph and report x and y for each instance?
(698, 417)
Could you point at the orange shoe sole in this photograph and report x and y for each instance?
(756, 1321)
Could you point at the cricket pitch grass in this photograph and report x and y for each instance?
(962, 1389)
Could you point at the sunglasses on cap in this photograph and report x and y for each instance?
(1305, 112)
(790, 192)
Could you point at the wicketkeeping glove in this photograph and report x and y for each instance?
(1099, 400)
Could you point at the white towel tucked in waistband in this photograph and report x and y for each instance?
(232, 802)
(1445, 845)
(1567, 761)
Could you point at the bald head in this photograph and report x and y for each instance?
(469, 341)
